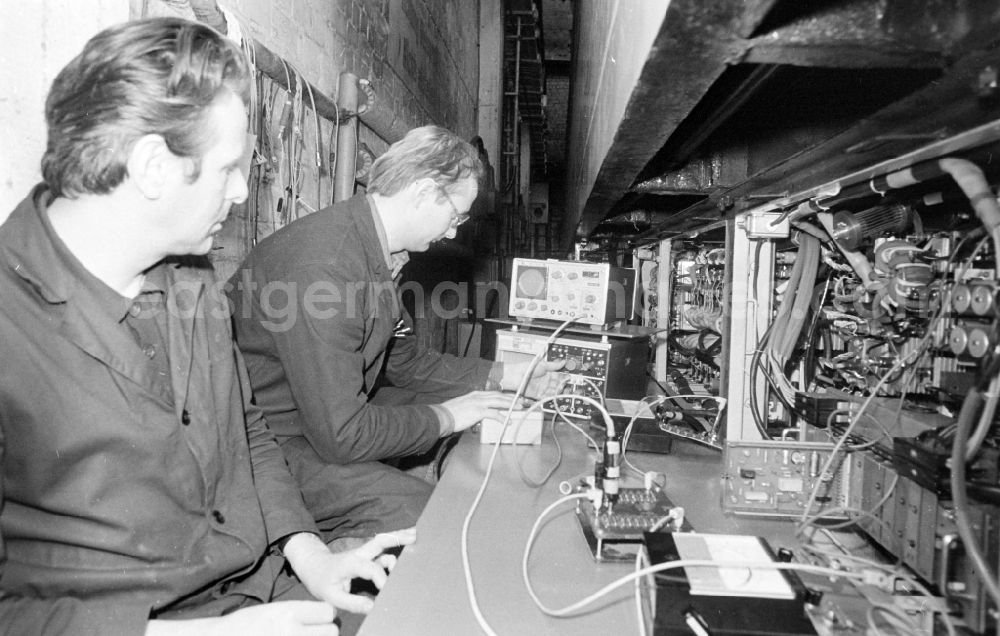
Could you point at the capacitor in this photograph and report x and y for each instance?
(814, 464)
(961, 298)
(980, 342)
(983, 301)
(958, 339)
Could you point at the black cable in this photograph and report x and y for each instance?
(713, 349)
(986, 493)
(754, 404)
(683, 386)
(468, 343)
(810, 341)
(675, 344)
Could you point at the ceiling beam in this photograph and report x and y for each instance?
(699, 40)
(693, 48)
(956, 102)
(838, 55)
(854, 35)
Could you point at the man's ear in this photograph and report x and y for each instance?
(425, 189)
(151, 165)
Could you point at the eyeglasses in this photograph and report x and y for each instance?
(457, 218)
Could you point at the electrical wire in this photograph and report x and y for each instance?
(755, 361)
(572, 396)
(824, 473)
(641, 562)
(963, 523)
(590, 439)
(655, 399)
(915, 354)
(982, 428)
(517, 459)
(467, 522)
(896, 571)
(896, 618)
(659, 567)
(317, 142)
(652, 400)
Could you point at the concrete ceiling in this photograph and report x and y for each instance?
(745, 99)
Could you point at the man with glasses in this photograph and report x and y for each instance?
(320, 323)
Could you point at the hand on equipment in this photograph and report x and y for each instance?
(545, 379)
(470, 408)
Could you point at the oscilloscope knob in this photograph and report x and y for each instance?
(572, 364)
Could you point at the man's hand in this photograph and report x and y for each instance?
(328, 576)
(470, 408)
(545, 379)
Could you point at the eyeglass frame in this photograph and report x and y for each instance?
(457, 218)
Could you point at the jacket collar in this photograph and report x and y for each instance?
(31, 248)
(363, 215)
(364, 220)
(396, 260)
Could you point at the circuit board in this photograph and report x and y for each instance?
(777, 479)
(616, 535)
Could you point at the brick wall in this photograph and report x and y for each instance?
(421, 57)
(37, 39)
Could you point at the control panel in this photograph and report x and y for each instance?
(596, 367)
(587, 365)
(590, 293)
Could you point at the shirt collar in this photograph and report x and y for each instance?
(115, 304)
(394, 261)
(72, 275)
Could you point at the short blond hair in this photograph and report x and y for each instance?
(426, 152)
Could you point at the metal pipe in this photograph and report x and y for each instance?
(379, 118)
(208, 12)
(347, 139)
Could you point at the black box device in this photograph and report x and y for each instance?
(722, 601)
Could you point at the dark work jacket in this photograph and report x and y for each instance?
(114, 509)
(315, 309)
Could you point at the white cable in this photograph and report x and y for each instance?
(900, 362)
(640, 563)
(651, 400)
(466, 564)
(656, 399)
(660, 567)
(594, 385)
(582, 432)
